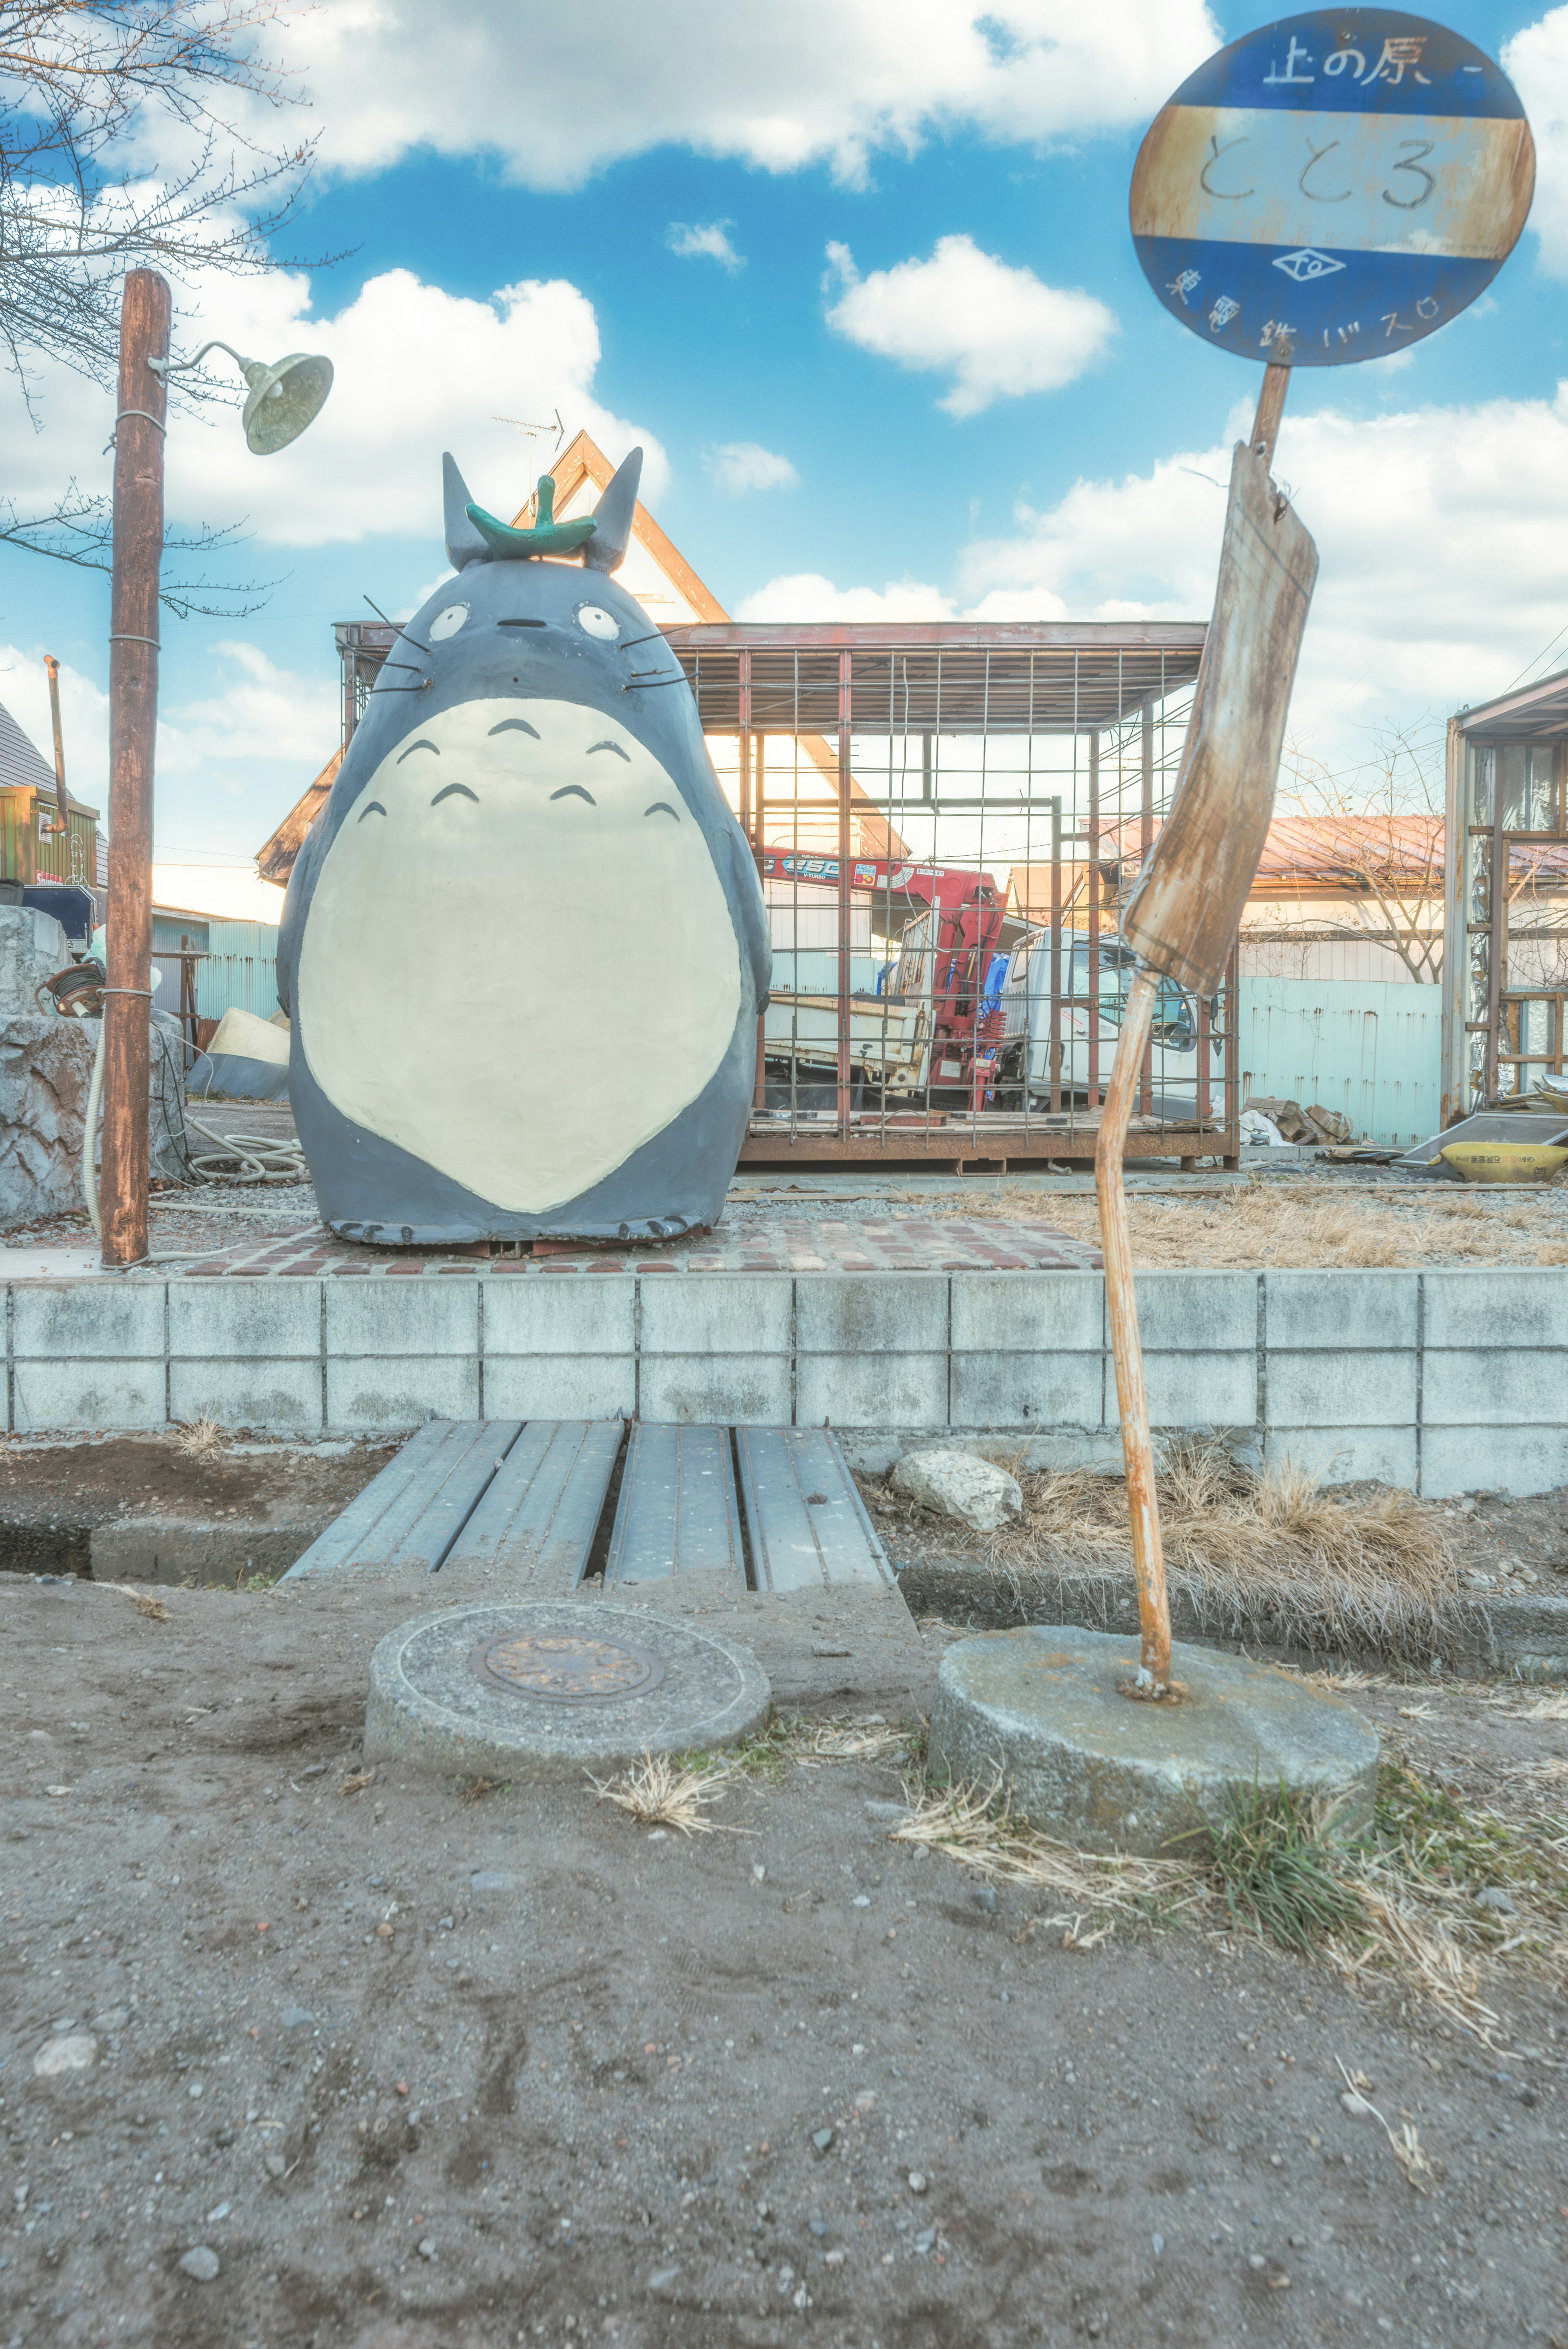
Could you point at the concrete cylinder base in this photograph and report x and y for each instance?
(1042, 1708)
(550, 1689)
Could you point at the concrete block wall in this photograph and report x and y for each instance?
(1443, 1380)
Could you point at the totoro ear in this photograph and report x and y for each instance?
(464, 544)
(607, 550)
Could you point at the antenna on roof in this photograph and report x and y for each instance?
(533, 432)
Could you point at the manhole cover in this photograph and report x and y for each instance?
(535, 1689)
(566, 1667)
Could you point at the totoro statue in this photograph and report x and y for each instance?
(524, 947)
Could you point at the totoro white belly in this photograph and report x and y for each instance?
(519, 963)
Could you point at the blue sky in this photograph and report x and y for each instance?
(1076, 499)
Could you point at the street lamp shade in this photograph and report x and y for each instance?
(284, 397)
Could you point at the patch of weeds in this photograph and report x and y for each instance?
(1433, 1834)
(254, 1582)
(1278, 1875)
(474, 1790)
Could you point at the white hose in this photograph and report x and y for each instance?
(89, 1154)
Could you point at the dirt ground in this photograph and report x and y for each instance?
(428, 2073)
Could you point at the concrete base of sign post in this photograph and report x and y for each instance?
(1042, 1709)
(552, 1689)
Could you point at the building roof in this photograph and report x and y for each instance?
(275, 857)
(1523, 714)
(22, 766)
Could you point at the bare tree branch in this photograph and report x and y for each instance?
(88, 92)
(1377, 831)
(79, 529)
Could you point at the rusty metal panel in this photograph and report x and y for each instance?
(1182, 915)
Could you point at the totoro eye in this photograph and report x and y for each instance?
(448, 622)
(597, 622)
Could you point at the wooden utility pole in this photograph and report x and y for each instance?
(142, 406)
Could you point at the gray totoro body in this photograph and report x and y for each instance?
(524, 947)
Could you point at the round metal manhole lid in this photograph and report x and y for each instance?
(566, 1668)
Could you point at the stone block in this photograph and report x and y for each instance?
(1019, 1390)
(894, 1313)
(396, 1392)
(1216, 1391)
(871, 1390)
(1347, 1389)
(1519, 1460)
(1198, 1313)
(91, 1319)
(714, 1313)
(561, 1314)
(1495, 1390)
(1498, 1306)
(1044, 1708)
(392, 1316)
(263, 1393)
(1345, 1455)
(726, 1390)
(95, 1395)
(1333, 1311)
(559, 1386)
(1029, 1312)
(244, 1319)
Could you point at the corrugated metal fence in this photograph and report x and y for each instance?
(1369, 1050)
(240, 970)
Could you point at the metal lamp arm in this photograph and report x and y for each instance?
(166, 366)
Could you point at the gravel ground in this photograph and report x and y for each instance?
(284, 2064)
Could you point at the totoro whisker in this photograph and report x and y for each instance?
(451, 788)
(608, 746)
(661, 807)
(374, 808)
(574, 791)
(422, 744)
(515, 726)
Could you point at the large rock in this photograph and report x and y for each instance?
(1042, 1713)
(960, 1485)
(45, 1071)
(46, 1066)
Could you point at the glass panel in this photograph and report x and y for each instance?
(1482, 759)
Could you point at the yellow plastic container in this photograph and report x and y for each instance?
(1504, 1162)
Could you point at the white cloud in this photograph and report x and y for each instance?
(1439, 531)
(705, 241)
(738, 466)
(998, 330)
(255, 716)
(563, 93)
(1536, 61)
(803, 596)
(416, 370)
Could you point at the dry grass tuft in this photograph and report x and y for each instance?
(1326, 1569)
(977, 1829)
(659, 1793)
(1543, 1707)
(142, 1600)
(199, 1438)
(1258, 1226)
(357, 1781)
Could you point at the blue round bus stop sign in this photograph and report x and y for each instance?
(1333, 187)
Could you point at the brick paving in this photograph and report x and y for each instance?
(759, 1244)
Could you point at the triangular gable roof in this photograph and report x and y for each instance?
(655, 571)
(23, 767)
